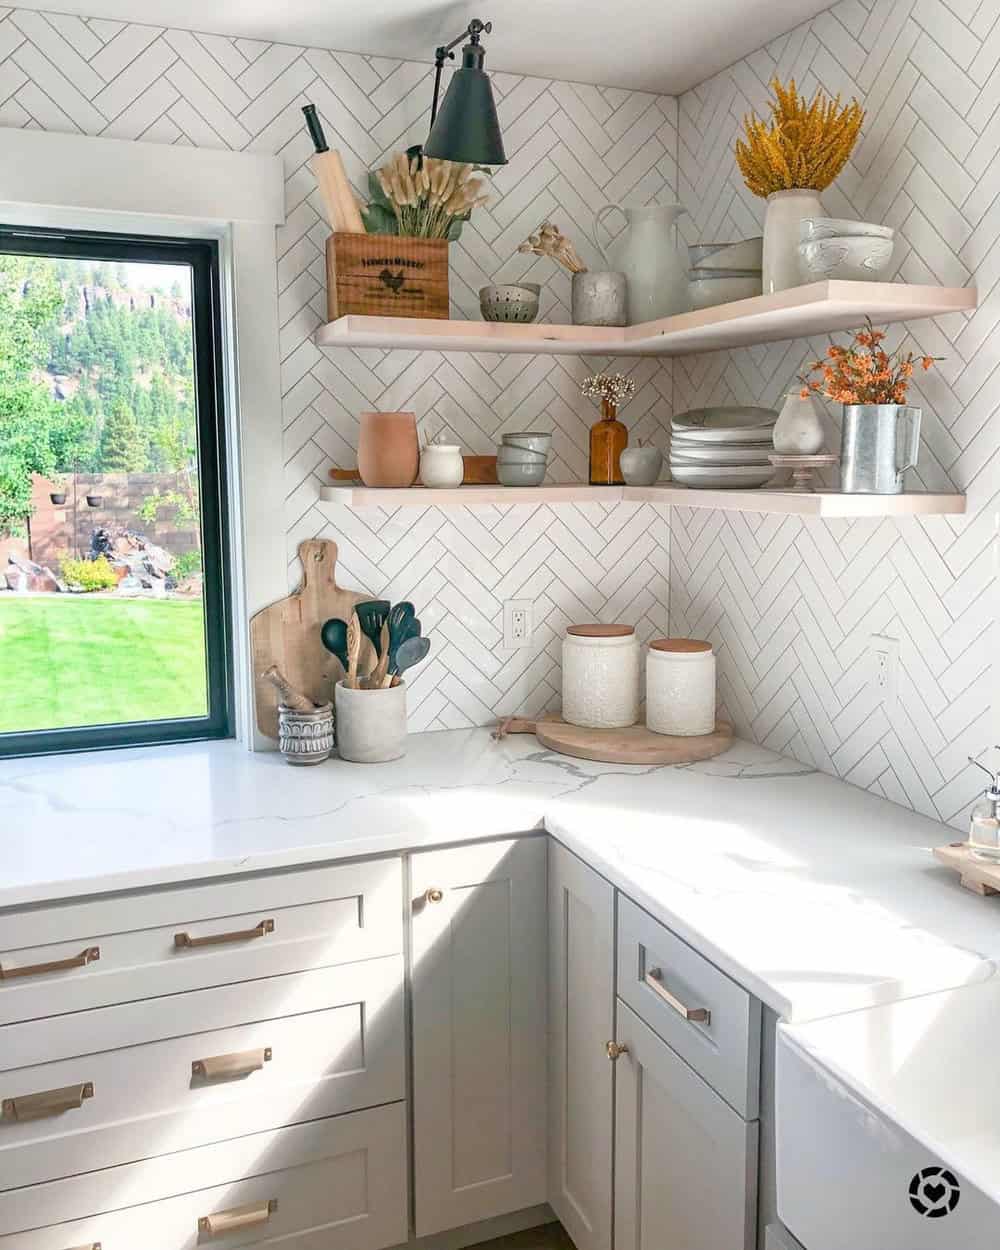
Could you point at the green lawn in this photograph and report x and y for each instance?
(78, 660)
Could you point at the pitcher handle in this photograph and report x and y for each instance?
(599, 223)
(911, 453)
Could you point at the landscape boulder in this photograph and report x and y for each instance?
(26, 576)
(132, 556)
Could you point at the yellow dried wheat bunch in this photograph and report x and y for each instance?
(803, 145)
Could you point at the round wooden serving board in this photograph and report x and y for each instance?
(634, 745)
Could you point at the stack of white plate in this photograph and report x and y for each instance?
(720, 448)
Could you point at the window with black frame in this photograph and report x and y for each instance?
(114, 595)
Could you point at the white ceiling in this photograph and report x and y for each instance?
(641, 44)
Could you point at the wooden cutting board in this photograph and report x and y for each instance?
(977, 875)
(287, 634)
(634, 745)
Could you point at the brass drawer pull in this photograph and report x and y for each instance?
(615, 1050)
(240, 1063)
(49, 1102)
(184, 941)
(86, 956)
(434, 895)
(237, 1217)
(699, 1015)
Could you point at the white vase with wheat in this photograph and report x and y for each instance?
(788, 161)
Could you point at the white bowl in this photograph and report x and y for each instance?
(854, 259)
(708, 292)
(747, 254)
(753, 454)
(812, 229)
(730, 421)
(520, 474)
(721, 477)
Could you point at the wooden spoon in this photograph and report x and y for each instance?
(353, 650)
(377, 679)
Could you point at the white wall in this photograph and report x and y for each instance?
(790, 603)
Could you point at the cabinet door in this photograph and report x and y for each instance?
(685, 1162)
(581, 1022)
(478, 952)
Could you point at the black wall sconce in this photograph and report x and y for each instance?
(466, 129)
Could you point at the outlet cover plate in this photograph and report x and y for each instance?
(517, 624)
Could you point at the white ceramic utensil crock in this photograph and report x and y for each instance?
(600, 670)
(680, 687)
(371, 724)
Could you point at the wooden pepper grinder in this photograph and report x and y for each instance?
(608, 437)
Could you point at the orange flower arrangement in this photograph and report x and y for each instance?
(863, 373)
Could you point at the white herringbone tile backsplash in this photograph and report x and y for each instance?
(790, 604)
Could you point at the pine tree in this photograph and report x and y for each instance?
(122, 447)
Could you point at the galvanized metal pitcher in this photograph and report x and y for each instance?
(878, 443)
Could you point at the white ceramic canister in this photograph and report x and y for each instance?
(600, 676)
(371, 724)
(680, 687)
(441, 465)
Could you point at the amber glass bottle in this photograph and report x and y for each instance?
(608, 439)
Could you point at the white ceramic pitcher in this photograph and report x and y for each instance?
(647, 253)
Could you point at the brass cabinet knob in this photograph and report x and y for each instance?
(434, 895)
(616, 1050)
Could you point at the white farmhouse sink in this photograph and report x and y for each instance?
(865, 1102)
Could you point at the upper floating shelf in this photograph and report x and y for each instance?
(788, 502)
(817, 308)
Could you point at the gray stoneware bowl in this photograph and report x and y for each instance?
(510, 302)
(813, 229)
(855, 258)
(529, 440)
(520, 455)
(520, 474)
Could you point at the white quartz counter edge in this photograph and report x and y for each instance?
(815, 896)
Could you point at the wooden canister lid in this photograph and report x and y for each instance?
(680, 646)
(600, 631)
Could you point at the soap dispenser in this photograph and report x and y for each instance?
(984, 825)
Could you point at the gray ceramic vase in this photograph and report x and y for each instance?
(305, 737)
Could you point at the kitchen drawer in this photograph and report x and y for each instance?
(707, 1018)
(290, 1049)
(81, 955)
(339, 1184)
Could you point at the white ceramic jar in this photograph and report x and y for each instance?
(600, 676)
(441, 465)
(680, 687)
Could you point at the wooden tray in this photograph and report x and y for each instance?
(634, 745)
(287, 634)
(976, 874)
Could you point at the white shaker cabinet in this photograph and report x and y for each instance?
(685, 1162)
(479, 1031)
(581, 1022)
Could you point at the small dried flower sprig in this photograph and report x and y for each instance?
(612, 389)
(864, 373)
(802, 146)
(427, 199)
(550, 241)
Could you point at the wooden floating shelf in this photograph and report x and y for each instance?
(818, 308)
(791, 503)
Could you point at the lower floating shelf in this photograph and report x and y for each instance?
(792, 503)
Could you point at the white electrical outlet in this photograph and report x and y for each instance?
(516, 624)
(884, 656)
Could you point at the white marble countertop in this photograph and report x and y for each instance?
(816, 896)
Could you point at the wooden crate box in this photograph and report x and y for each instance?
(386, 275)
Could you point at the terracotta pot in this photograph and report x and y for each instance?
(388, 452)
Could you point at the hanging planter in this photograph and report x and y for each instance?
(94, 501)
(58, 497)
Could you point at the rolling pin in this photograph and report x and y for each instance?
(342, 210)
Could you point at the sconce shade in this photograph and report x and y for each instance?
(467, 128)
